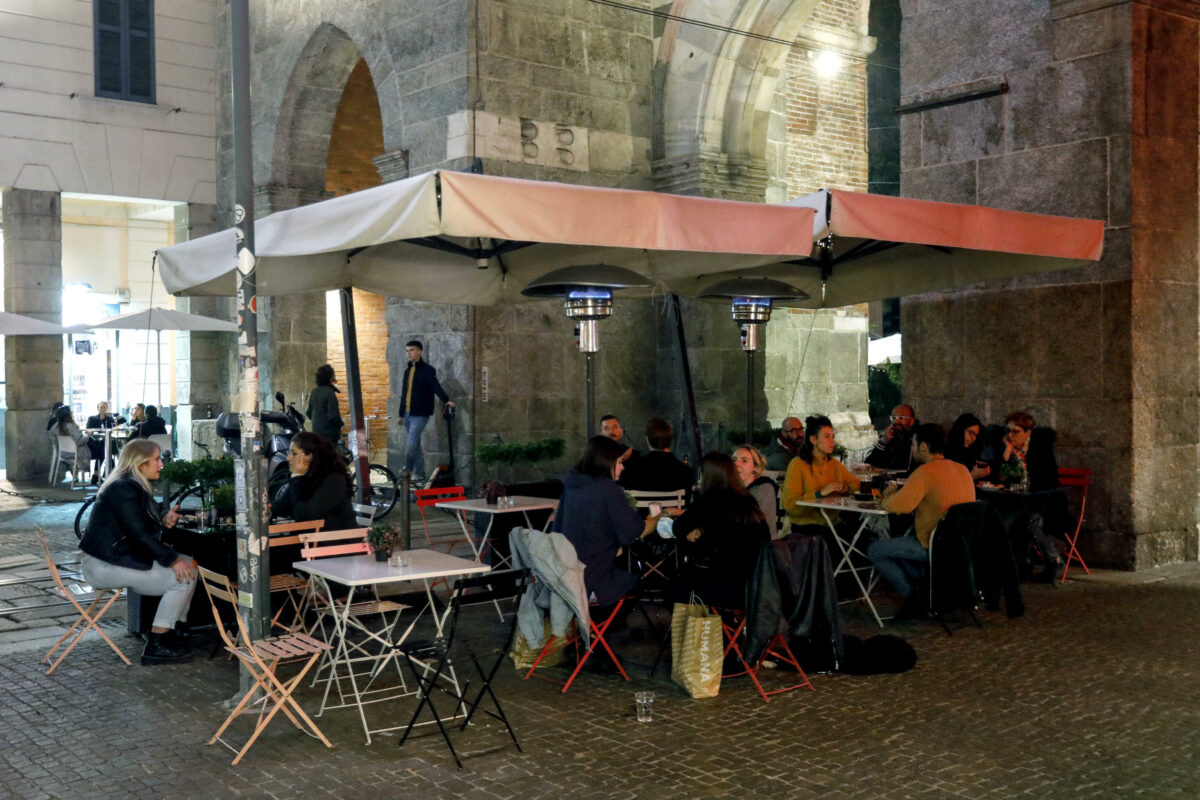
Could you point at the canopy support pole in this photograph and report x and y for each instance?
(688, 389)
(249, 470)
(358, 435)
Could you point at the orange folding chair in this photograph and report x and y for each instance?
(89, 618)
(733, 624)
(260, 659)
(1080, 478)
(596, 639)
(427, 498)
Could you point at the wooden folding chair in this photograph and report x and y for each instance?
(295, 588)
(260, 658)
(1080, 478)
(89, 618)
(733, 624)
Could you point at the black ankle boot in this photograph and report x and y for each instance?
(160, 649)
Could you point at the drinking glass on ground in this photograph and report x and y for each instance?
(645, 705)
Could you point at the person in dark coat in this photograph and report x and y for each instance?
(319, 488)
(103, 419)
(122, 547)
(153, 425)
(894, 448)
(1033, 448)
(659, 470)
(720, 535)
(323, 408)
(599, 521)
(417, 389)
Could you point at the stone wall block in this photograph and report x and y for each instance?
(950, 183)
(998, 352)
(1103, 30)
(32, 203)
(1031, 180)
(1167, 421)
(1117, 338)
(1166, 547)
(1163, 491)
(1067, 102)
(426, 142)
(1164, 361)
(910, 142)
(1090, 422)
(1069, 350)
(962, 132)
(1120, 180)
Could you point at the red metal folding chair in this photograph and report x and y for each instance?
(597, 639)
(733, 623)
(1080, 478)
(427, 498)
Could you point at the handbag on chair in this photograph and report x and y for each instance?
(696, 649)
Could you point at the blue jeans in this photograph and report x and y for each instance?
(899, 561)
(414, 456)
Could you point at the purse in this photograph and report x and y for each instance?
(696, 649)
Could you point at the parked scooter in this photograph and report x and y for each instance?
(288, 422)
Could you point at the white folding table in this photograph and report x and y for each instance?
(480, 506)
(363, 570)
(865, 509)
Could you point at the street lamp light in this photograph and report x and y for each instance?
(587, 292)
(752, 299)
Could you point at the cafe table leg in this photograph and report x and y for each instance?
(846, 565)
(462, 522)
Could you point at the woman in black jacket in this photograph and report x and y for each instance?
(320, 487)
(721, 534)
(964, 444)
(122, 547)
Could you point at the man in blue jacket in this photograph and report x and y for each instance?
(417, 389)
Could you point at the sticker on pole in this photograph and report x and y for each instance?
(245, 599)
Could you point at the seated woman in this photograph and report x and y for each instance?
(721, 534)
(751, 464)
(1033, 448)
(964, 444)
(152, 425)
(87, 449)
(598, 520)
(122, 547)
(813, 474)
(320, 486)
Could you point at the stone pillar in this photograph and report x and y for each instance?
(33, 364)
(204, 361)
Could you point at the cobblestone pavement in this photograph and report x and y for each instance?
(1092, 694)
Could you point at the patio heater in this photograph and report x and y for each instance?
(752, 299)
(587, 292)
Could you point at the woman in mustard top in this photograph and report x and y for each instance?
(815, 474)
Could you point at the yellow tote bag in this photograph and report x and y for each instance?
(696, 647)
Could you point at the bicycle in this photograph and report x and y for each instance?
(385, 486)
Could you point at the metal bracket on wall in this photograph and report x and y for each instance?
(953, 99)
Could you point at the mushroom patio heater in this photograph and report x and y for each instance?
(752, 300)
(587, 292)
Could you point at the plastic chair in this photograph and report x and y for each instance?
(65, 453)
(1080, 478)
(490, 588)
(89, 618)
(364, 514)
(733, 624)
(260, 658)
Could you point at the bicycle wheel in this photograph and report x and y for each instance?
(384, 490)
(189, 500)
(82, 516)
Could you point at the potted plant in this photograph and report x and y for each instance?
(1012, 472)
(507, 455)
(383, 539)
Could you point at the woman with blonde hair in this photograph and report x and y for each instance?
(122, 547)
(751, 464)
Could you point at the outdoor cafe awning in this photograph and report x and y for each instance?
(454, 237)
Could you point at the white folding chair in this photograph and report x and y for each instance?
(644, 498)
(65, 453)
(364, 513)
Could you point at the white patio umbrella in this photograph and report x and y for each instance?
(159, 320)
(18, 325)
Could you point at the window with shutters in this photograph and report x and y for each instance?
(124, 35)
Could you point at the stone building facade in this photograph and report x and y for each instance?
(1099, 120)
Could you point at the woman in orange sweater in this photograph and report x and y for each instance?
(815, 474)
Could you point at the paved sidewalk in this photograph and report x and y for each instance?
(1092, 694)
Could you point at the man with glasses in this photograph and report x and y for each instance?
(894, 448)
(786, 444)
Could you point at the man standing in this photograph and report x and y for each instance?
(417, 389)
(658, 470)
(786, 444)
(937, 484)
(894, 448)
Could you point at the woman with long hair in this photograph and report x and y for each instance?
(964, 444)
(751, 464)
(720, 535)
(815, 474)
(87, 449)
(320, 486)
(597, 519)
(122, 547)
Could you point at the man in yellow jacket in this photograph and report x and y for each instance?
(937, 484)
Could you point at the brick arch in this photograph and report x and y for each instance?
(717, 88)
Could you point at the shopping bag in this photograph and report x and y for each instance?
(696, 649)
(523, 655)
